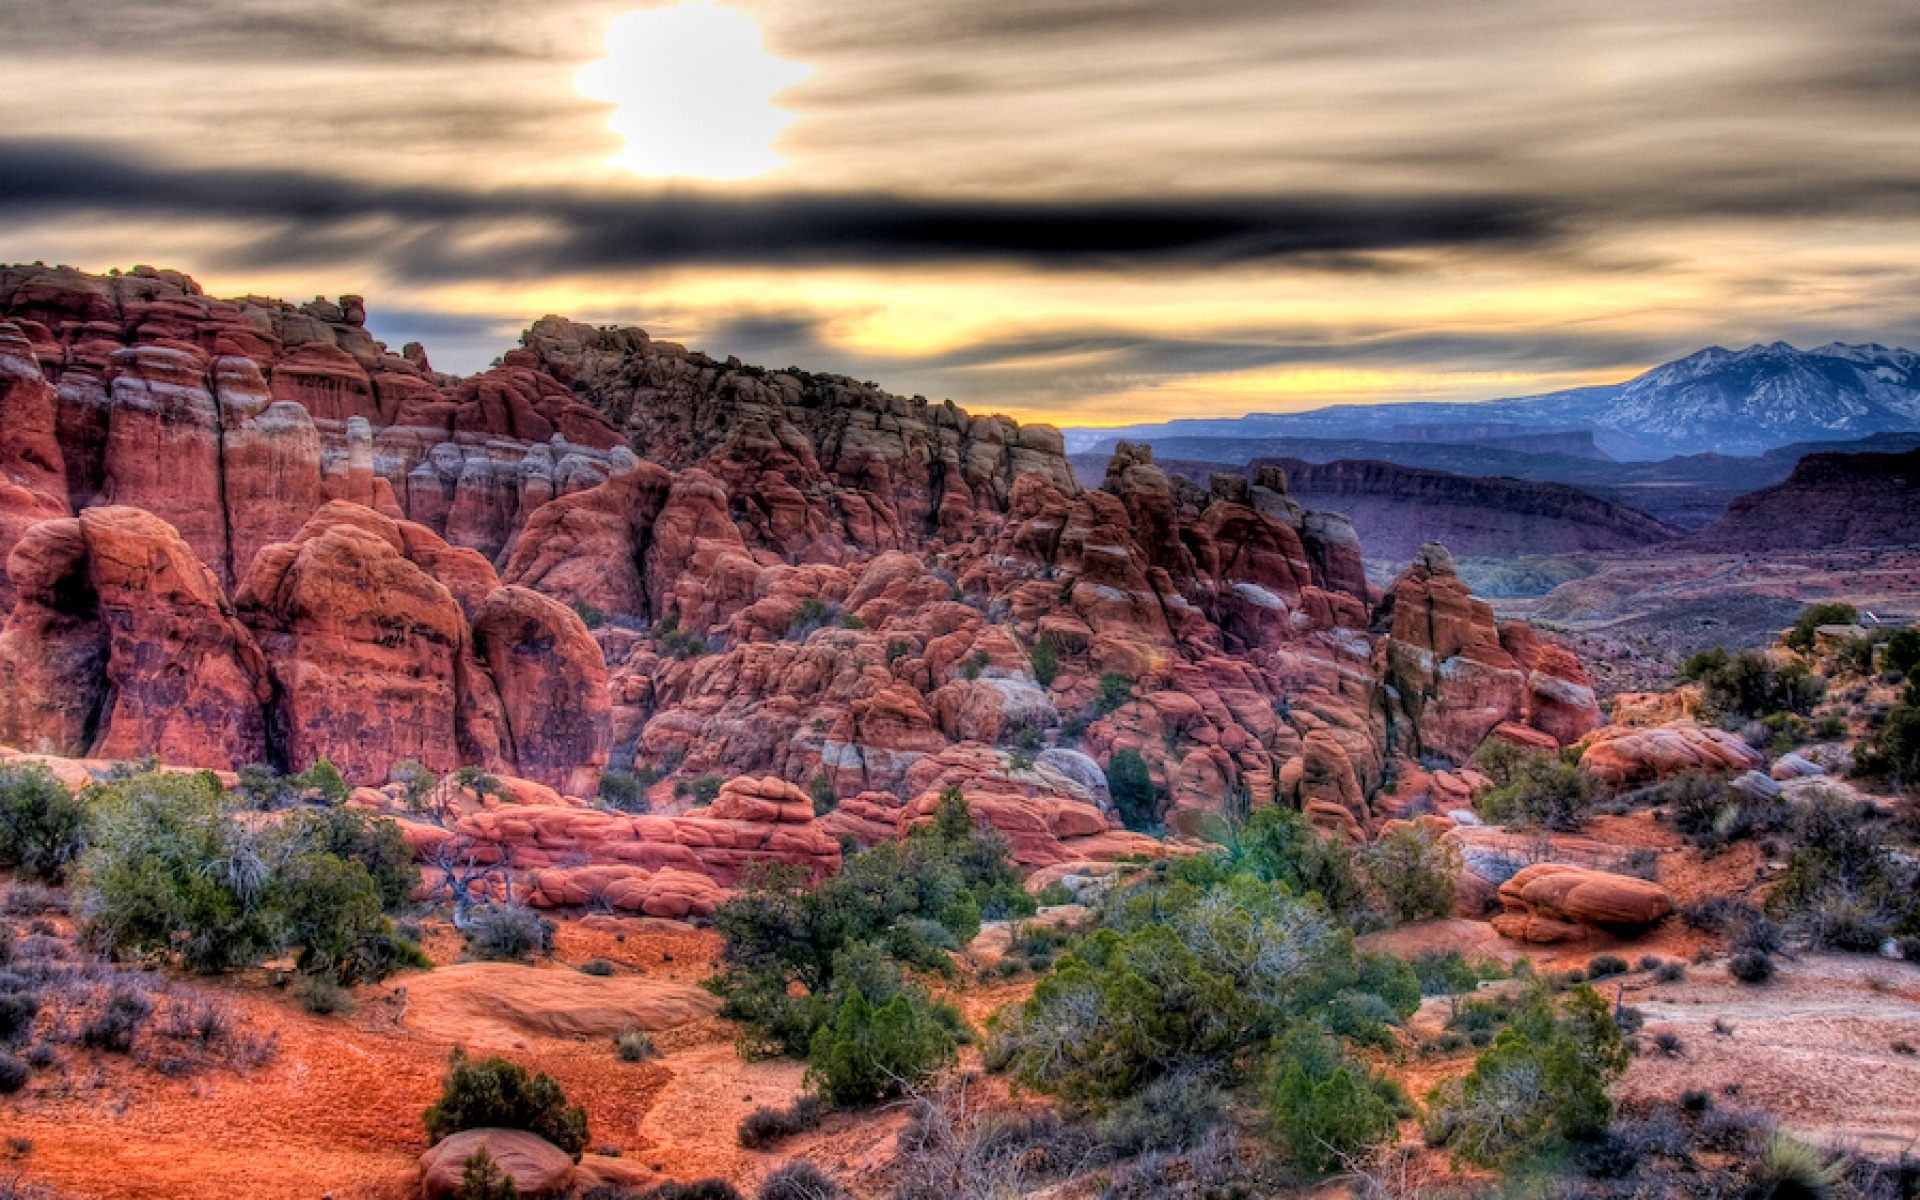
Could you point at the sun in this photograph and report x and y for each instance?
(692, 89)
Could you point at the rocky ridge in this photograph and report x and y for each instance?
(243, 531)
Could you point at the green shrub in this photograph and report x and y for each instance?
(1604, 966)
(591, 615)
(1895, 751)
(704, 790)
(1184, 975)
(1542, 790)
(1412, 871)
(1792, 1168)
(1541, 1084)
(794, 950)
(1115, 690)
(821, 791)
(1279, 845)
(493, 1093)
(870, 1052)
(1326, 1110)
(482, 1179)
(898, 648)
(1045, 660)
(622, 791)
(1800, 637)
(171, 873)
(1843, 890)
(1903, 651)
(1131, 786)
(43, 828)
(375, 843)
(1750, 685)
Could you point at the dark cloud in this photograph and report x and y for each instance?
(431, 229)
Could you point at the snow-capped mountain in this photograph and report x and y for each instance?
(1717, 400)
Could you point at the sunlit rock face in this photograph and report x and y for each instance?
(613, 551)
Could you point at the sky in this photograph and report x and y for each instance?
(1084, 211)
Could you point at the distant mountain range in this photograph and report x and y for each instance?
(1730, 402)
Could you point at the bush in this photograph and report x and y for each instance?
(1790, 1167)
(482, 1179)
(1412, 872)
(599, 967)
(1045, 660)
(795, 950)
(509, 933)
(173, 874)
(621, 791)
(799, 1181)
(1541, 1084)
(1131, 786)
(1278, 845)
(493, 1093)
(1748, 684)
(1903, 651)
(1751, 966)
(1605, 965)
(1115, 690)
(14, 1074)
(1185, 975)
(633, 1045)
(321, 995)
(704, 790)
(869, 1051)
(591, 615)
(1168, 1115)
(1842, 889)
(1325, 1109)
(821, 791)
(1541, 790)
(43, 829)
(766, 1125)
(114, 1028)
(1800, 637)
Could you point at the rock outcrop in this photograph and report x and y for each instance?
(122, 645)
(1458, 674)
(1556, 902)
(537, 1167)
(1619, 755)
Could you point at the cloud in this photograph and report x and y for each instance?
(429, 231)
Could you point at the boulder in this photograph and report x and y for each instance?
(1620, 756)
(1553, 902)
(536, 1166)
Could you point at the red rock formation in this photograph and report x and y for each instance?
(552, 682)
(33, 479)
(364, 646)
(1459, 674)
(1619, 755)
(121, 645)
(1554, 902)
